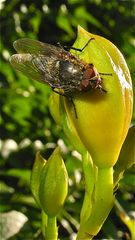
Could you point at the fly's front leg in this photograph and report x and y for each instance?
(95, 83)
(108, 74)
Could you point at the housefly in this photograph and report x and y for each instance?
(64, 72)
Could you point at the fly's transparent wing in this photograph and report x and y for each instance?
(39, 67)
(26, 45)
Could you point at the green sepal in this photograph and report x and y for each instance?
(35, 176)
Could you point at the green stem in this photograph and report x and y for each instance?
(49, 227)
(102, 202)
(44, 222)
(89, 175)
(51, 232)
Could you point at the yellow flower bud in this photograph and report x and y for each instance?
(103, 119)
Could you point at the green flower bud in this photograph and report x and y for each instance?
(53, 187)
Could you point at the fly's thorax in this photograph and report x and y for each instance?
(67, 56)
(70, 73)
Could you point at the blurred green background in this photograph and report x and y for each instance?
(27, 126)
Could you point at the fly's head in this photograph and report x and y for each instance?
(91, 78)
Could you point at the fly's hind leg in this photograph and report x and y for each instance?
(76, 49)
(81, 50)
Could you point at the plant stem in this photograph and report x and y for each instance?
(51, 230)
(90, 175)
(44, 222)
(102, 202)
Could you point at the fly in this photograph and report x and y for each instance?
(64, 72)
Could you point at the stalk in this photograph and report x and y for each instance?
(102, 202)
(51, 231)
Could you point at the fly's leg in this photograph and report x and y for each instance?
(97, 85)
(109, 74)
(56, 91)
(73, 104)
(69, 98)
(81, 50)
(101, 88)
(77, 49)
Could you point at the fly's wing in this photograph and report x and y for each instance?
(39, 67)
(40, 61)
(26, 45)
